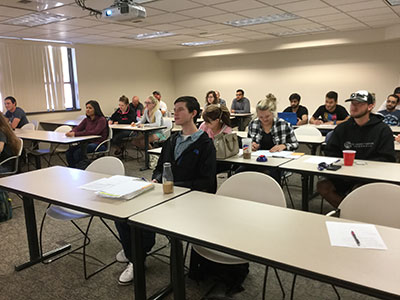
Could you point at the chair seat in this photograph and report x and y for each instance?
(63, 213)
(218, 257)
(40, 152)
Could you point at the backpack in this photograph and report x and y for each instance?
(5, 206)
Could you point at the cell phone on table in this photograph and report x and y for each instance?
(333, 167)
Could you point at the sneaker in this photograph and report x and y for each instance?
(126, 277)
(120, 257)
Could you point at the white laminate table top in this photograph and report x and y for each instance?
(135, 128)
(272, 161)
(366, 169)
(60, 185)
(74, 122)
(285, 236)
(51, 136)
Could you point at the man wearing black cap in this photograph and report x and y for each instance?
(365, 133)
(163, 105)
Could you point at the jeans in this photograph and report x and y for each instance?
(119, 135)
(74, 153)
(124, 230)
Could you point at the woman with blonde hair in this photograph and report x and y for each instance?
(216, 120)
(9, 145)
(270, 133)
(152, 117)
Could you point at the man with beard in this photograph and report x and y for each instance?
(391, 114)
(301, 111)
(331, 112)
(365, 133)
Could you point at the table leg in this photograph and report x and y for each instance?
(304, 192)
(177, 269)
(84, 149)
(138, 257)
(146, 151)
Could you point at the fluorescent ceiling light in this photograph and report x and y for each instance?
(151, 35)
(34, 40)
(218, 52)
(300, 31)
(202, 43)
(36, 19)
(263, 20)
(310, 44)
(393, 2)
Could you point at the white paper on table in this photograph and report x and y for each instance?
(340, 235)
(105, 183)
(283, 154)
(320, 159)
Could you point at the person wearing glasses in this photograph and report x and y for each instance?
(365, 133)
(391, 114)
(331, 112)
(152, 117)
(240, 105)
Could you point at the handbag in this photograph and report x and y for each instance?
(226, 145)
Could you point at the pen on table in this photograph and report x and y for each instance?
(144, 179)
(355, 238)
(336, 161)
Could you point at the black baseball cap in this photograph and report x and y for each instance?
(361, 96)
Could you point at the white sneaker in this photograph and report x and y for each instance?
(126, 277)
(120, 257)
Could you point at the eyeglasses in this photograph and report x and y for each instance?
(239, 95)
(145, 102)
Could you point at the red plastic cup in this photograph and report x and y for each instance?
(348, 157)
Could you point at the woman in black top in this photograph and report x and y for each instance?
(123, 115)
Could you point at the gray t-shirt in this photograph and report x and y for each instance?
(242, 106)
(19, 114)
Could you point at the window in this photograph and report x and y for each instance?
(41, 77)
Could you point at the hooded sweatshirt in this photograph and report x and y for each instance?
(373, 141)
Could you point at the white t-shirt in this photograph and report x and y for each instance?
(163, 106)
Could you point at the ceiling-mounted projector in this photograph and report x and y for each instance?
(124, 11)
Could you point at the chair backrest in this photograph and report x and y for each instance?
(253, 186)
(29, 126)
(168, 123)
(307, 130)
(107, 165)
(376, 203)
(63, 128)
(61, 148)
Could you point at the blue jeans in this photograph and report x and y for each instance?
(74, 153)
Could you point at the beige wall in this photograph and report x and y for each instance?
(310, 72)
(106, 73)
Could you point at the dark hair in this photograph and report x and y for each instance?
(394, 96)
(332, 95)
(96, 106)
(191, 104)
(214, 95)
(294, 96)
(217, 111)
(11, 98)
(12, 139)
(397, 90)
(156, 93)
(124, 99)
(241, 91)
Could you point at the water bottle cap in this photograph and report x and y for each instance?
(167, 164)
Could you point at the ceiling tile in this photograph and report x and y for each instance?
(209, 2)
(302, 5)
(13, 12)
(362, 5)
(202, 12)
(171, 6)
(224, 18)
(193, 23)
(235, 6)
(317, 12)
(370, 12)
(260, 12)
(69, 10)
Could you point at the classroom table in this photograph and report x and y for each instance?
(287, 239)
(52, 124)
(241, 117)
(62, 189)
(272, 162)
(53, 138)
(146, 132)
(362, 170)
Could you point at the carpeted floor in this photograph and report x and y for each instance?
(63, 278)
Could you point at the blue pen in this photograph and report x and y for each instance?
(144, 179)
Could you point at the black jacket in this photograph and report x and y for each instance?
(135, 110)
(124, 118)
(195, 168)
(373, 141)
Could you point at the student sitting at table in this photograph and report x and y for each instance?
(331, 112)
(9, 145)
(269, 133)
(212, 98)
(216, 120)
(300, 110)
(365, 133)
(152, 117)
(123, 115)
(193, 161)
(14, 115)
(94, 124)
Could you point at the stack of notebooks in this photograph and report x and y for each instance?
(118, 187)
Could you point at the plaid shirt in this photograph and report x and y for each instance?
(281, 131)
